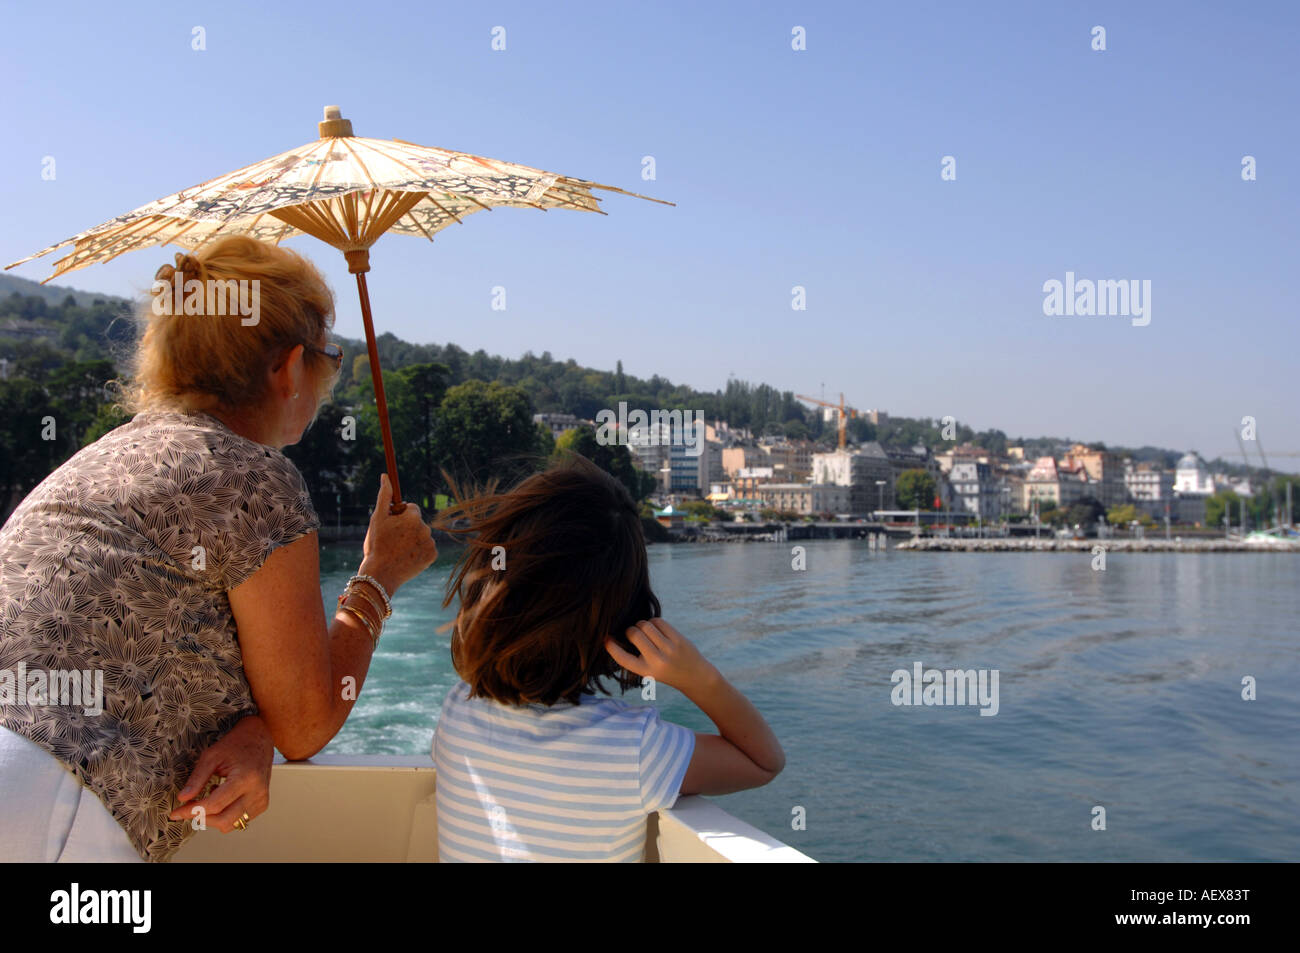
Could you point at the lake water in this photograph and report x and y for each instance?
(1119, 688)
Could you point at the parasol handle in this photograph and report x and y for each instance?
(359, 264)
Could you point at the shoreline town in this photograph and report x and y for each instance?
(714, 482)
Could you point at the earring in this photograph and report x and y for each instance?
(295, 396)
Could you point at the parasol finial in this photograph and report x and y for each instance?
(334, 125)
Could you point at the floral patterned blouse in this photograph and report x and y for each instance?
(119, 562)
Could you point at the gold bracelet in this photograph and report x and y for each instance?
(375, 624)
(370, 626)
(372, 601)
(358, 597)
(376, 620)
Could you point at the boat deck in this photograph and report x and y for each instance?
(381, 809)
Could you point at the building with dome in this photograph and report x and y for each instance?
(1192, 476)
(1193, 485)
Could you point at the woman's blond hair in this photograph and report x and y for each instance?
(192, 362)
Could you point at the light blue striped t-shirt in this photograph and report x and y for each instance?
(564, 783)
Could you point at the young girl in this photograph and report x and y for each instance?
(555, 596)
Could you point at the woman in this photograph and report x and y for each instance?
(176, 559)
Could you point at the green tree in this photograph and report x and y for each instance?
(654, 531)
(1273, 499)
(1121, 515)
(615, 460)
(697, 510)
(417, 393)
(361, 373)
(25, 458)
(861, 430)
(545, 439)
(915, 490)
(992, 440)
(485, 431)
(76, 393)
(108, 417)
(1216, 504)
(340, 458)
(1085, 514)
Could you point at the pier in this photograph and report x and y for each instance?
(875, 534)
(940, 544)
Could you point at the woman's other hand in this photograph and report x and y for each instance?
(243, 757)
(397, 548)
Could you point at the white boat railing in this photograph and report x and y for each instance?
(381, 808)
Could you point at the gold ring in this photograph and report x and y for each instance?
(242, 823)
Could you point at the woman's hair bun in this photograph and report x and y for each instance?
(186, 264)
(222, 360)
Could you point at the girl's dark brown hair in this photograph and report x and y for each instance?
(552, 569)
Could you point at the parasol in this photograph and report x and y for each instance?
(346, 191)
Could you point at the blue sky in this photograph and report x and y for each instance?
(818, 168)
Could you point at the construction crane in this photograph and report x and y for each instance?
(1259, 445)
(844, 413)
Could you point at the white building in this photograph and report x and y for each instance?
(1191, 475)
(1239, 485)
(866, 471)
(650, 452)
(720, 432)
(1148, 482)
(975, 491)
(558, 423)
(683, 462)
(1151, 488)
(806, 499)
(1053, 484)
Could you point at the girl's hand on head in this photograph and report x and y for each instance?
(666, 656)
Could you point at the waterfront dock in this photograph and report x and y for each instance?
(939, 544)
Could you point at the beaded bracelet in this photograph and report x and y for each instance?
(383, 593)
(384, 611)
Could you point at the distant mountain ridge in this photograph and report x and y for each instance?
(55, 294)
(396, 353)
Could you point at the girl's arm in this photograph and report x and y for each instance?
(745, 752)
